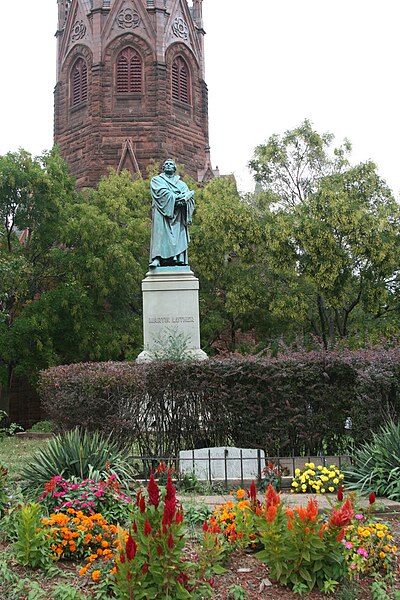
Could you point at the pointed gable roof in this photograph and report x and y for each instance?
(181, 28)
(78, 29)
(128, 16)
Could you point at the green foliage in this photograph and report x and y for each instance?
(70, 286)
(376, 464)
(7, 430)
(42, 427)
(3, 489)
(170, 345)
(332, 238)
(32, 547)
(78, 454)
(195, 513)
(236, 592)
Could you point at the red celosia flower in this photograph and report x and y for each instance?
(122, 557)
(179, 517)
(340, 494)
(372, 498)
(147, 528)
(322, 529)
(134, 526)
(159, 550)
(312, 510)
(170, 541)
(153, 491)
(170, 490)
(130, 548)
(145, 568)
(205, 526)
(343, 516)
(162, 467)
(271, 497)
(253, 492)
(169, 512)
(271, 513)
(142, 504)
(340, 536)
(138, 496)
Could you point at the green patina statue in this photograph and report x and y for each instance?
(172, 211)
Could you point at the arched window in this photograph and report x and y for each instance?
(79, 82)
(129, 72)
(180, 81)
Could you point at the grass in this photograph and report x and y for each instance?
(15, 452)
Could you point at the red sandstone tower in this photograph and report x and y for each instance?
(130, 86)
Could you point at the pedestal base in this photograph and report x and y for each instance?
(171, 315)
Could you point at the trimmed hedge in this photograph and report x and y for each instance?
(297, 403)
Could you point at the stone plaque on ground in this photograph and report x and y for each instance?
(222, 463)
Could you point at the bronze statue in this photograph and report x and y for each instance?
(172, 211)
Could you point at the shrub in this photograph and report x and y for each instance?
(72, 535)
(296, 403)
(88, 496)
(79, 455)
(317, 479)
(376, 464)
(32, 547)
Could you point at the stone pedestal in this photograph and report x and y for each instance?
(171, 308)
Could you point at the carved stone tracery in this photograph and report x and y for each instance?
(128, 19)
(78, 31)
(180, 28)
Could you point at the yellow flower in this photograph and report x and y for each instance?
(366, 533)
(380, 534)
(311, 465)
(382, 555)
(331, 489)
(304, 487)
(96, 575)
(322, 490)
(295, 484)
(319, 467)
(394, 549)
(297, 472)
(336, 481)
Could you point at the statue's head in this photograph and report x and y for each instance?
(169, 166)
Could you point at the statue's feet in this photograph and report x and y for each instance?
(154, 263)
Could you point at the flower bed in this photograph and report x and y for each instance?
(146, 554)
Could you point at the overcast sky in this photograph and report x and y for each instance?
(269, 65)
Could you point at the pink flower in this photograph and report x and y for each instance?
(359, 516)
(352, 567)
(349, 545)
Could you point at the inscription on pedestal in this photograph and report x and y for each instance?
(163, 320)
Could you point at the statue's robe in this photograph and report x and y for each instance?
(169, 232)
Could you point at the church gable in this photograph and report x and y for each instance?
(128, 16)
(180, 28)
(78, 29)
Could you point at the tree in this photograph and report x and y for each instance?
(226, 235)
(290, 167)
(70, 265)
(332, 231)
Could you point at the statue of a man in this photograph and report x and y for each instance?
(172, 210)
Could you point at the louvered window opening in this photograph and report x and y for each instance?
(79, 82)
(129, 72)
(180, 81)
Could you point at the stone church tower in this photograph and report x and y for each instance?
(130, 86)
